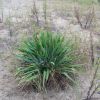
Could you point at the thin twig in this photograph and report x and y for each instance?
(93, 92)
(92, 82)
(35, 12)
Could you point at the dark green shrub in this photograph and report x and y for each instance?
(47, 59)
(99, 1)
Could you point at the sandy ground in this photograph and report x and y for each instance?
(8, 84)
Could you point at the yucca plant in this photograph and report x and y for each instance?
(47, 58)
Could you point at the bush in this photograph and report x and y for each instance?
(99, 1)
(47, 59)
